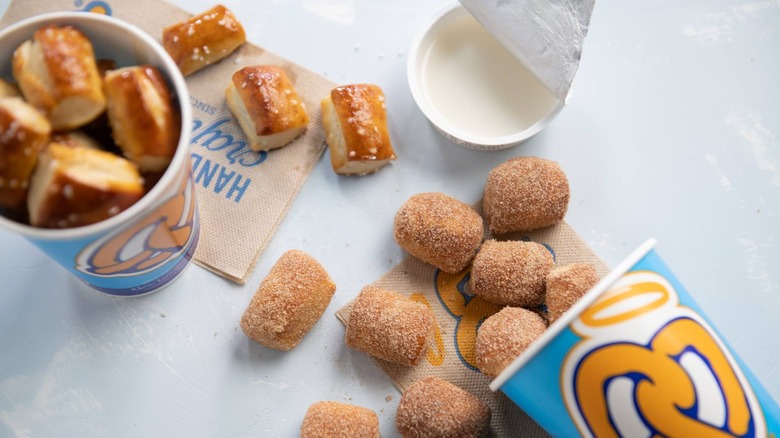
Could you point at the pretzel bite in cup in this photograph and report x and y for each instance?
(77, 186)
(143, 118)
(23, 133)
(57, 74)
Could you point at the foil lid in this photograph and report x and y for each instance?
(546, 36)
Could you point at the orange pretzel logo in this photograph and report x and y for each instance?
(148, 243)
(681, 382)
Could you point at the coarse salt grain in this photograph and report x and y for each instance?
(511, 273)
(67, 191)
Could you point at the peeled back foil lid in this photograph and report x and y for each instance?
(545, 35)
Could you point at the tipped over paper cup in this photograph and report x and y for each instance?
(146, 246)
(637, 357)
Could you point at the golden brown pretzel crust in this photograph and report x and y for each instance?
(57, 74)
(144, 121)
(288, 302)
(23, 133)
(435, 408)
(203, 39)
(75, 186)
(270, 99)
(363, 119)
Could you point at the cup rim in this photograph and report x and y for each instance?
(553, 330)
(468, 140)
(172, 73)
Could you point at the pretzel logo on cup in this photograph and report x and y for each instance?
(97, 7)
(647, 366)
(148, 243)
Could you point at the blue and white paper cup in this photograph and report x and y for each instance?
(147, 246)
(636, 357)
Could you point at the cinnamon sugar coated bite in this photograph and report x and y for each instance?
(524, 194)
(203, 39)
(435, 408)
(288, 302)
(511, 273)
(329, 419)
(439, 230)
(567, 284)
(503, 336)
(389, 326)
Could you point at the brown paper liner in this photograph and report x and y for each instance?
(242, 195)
(458, 314)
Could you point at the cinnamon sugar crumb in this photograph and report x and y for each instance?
(567, 284)
(439, 230)
(524, 194)
(511, 272)
(328, 419)
(433, 407)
